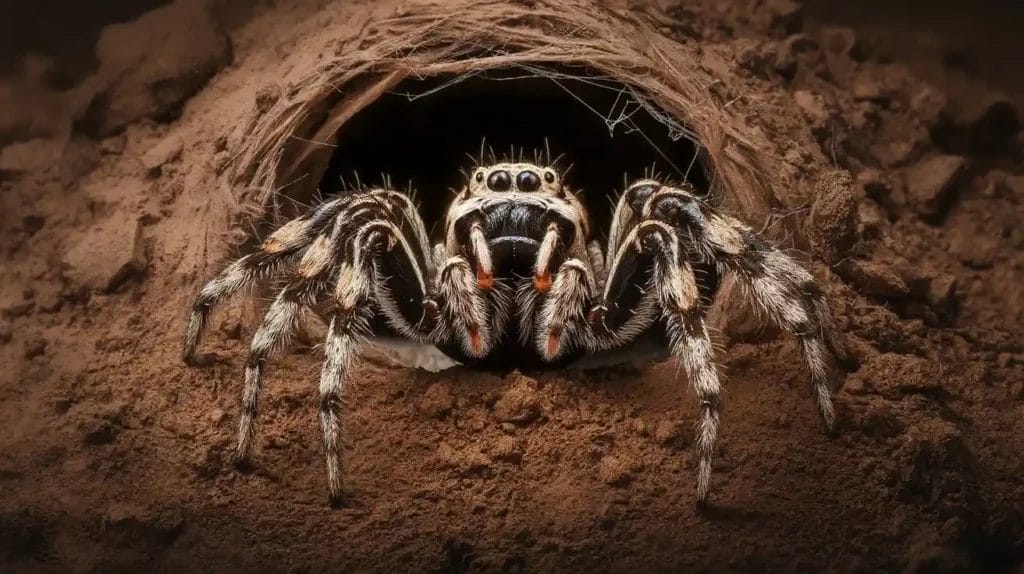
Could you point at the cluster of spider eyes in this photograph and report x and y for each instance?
(526, 180)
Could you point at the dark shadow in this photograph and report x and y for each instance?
(66, 32)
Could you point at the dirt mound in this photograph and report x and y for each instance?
(115, 456)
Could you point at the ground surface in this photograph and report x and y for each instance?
(113, 453)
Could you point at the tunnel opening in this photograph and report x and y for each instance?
(425, 132)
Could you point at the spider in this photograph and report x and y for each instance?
(518, 278)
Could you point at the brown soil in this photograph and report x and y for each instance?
(113, 455)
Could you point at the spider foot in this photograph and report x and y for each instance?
(243, 463)
(204, 360)
(339, 500)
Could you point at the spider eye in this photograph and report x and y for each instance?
(549, 176)
(528, 181)
(479, 176)
(499, 181)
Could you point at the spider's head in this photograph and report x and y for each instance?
(514, 177)
(515, 206)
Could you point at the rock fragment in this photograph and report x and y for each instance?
(163, 153)
(893, 376)
(616, 471)
(465, 462)
(106, 255)
(672, 433)
(507, 449)
(832, 226)
(520, 404)
(874, 278)
(932, 183)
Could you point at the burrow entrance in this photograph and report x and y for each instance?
(425, 132)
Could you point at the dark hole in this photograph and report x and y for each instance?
(427, 140)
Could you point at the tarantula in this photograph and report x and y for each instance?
(518, 278)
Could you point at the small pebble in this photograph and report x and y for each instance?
(615, 471)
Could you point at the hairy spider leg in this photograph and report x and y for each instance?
(359, 283)
(308, 281)
(277, 326)
(679, 295)
(277, 251)
(779, 286)
(562, 319)
(463, 307)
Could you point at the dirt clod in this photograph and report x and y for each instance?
(672, 433)
(520, 404)
(837, 39)
(894, 376)
(935, 461)
(813, 106)
(932, 183)
(105, 256)
(616, 471)
(465, 462)
(507, 449)
(874, 278)
(879, 420)
(832, 226)
(167, 151)
(437, 401)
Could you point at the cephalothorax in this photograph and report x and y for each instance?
(518, 277)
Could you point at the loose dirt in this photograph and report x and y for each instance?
(113, 455)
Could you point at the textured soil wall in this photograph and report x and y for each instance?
(114, 455)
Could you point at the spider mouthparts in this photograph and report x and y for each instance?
(554, 342)
(542, 282)
(431, 312)
(596, 318)
(475, 341)
(485, 281)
